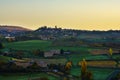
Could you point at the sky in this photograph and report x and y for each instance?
(72, 14)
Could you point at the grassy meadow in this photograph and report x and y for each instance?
(98, 74)
(29, 45)
(42, 45)
(25, 76)
(81, 52)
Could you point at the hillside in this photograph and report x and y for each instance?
(57, 33)
(48, 33)
(30, 45)
(12, 30)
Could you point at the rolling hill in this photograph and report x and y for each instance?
(12, 30)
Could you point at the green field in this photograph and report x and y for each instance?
(81, 52)
(25, 76)
(98, 74)
(42, 45)
(5, 58)
(29, 45)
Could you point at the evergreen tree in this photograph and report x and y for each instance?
(1, 46)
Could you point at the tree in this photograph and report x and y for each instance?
(19, 54)
(68, 66)
(88, 76)
(61, 51)
(0, 52)
(117, 58)
(1, 46)
(34, 67)
(83, 68)
(65, 78)
(39, 53)
(10, 39)
(85, 74)
(110, 52)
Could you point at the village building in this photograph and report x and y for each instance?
(9, 37)
(55, 52)
(67, 52)
(51, 53)
(48, 54)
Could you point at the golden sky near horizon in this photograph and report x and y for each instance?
(75, 14)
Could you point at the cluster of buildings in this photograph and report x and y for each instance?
(52, 53)
(10, 37)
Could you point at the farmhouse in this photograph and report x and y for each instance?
(67, 52)
(23, 64)
(51, 53)
(40, 62)
(48, 54)
(56, 52)
(45, 62)
(10, 38)
(26, 64)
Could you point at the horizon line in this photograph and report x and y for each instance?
(58, 27)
